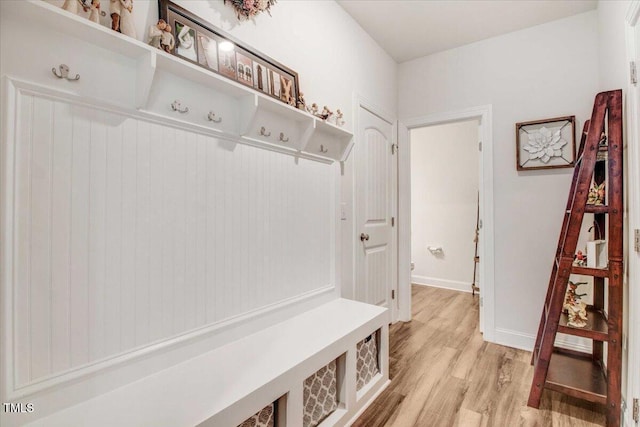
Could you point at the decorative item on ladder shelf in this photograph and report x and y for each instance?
(576, 309)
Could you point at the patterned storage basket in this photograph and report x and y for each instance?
(264, 418)
(367, 363)
(320, 395)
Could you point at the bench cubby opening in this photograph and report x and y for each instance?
(367, 360)
(272, 415)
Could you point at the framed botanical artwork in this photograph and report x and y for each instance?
(209, 47)
(546, 144)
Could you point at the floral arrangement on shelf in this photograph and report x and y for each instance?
(247, 9)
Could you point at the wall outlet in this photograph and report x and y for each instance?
(636, 240)
(343, 211)
(413, 266)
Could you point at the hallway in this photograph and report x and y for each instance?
(443, 374)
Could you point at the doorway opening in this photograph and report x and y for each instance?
(479, 120)
(445, 205)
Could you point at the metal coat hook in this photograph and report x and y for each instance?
(263, 132)
(176, 106)
(64, 73)
(282, 138)
(212, 117)
(323, 150)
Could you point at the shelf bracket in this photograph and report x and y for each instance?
(145, 74)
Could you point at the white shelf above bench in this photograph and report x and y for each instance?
(303, 135)
(217, 387)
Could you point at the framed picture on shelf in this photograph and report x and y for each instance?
(203, 44)
(546, 144)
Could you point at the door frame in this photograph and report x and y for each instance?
(482, 113)
(632, 24)
(359, 102)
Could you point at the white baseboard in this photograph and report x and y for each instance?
(453, 285)
(514, 339)
(524, 341)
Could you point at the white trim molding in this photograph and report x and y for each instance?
(522, 341)
(482, 113)
(434, 282)
(632, 26)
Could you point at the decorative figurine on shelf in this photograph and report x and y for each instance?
(155, 33)
(339, 121)
(301, 104)
(596, 194)
(576, 309)
(603, 141)
(122, 17)
(580, 259)
(91, 6)
(313, 109)
(94, 11)
(326, 113)
(71, 6)
(603, 148)
(167, 42)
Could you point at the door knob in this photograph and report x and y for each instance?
(364, 237)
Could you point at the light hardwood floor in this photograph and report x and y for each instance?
(443, 374)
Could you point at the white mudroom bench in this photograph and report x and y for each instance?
(227, 385)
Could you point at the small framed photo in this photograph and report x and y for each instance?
(209, 47)
(207, 51)
(185, 41)
(260, 77)
(546, 144)
(227, 58)
(244, 65)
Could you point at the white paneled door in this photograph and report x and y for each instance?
(374, 208)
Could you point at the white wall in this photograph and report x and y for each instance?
(613, 66)
(546, 71)
(444, 191)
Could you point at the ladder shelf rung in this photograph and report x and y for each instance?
(593, 209)
(596, 328)
(596, 209)
(587, 271)
(578, 377)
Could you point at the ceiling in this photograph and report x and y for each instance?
(409, 29)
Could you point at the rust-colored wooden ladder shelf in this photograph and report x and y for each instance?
(588, 376)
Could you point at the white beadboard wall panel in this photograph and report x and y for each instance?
(61, 237)
(23, 242)
(130, 232)
(40, 244)
(79, 211)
